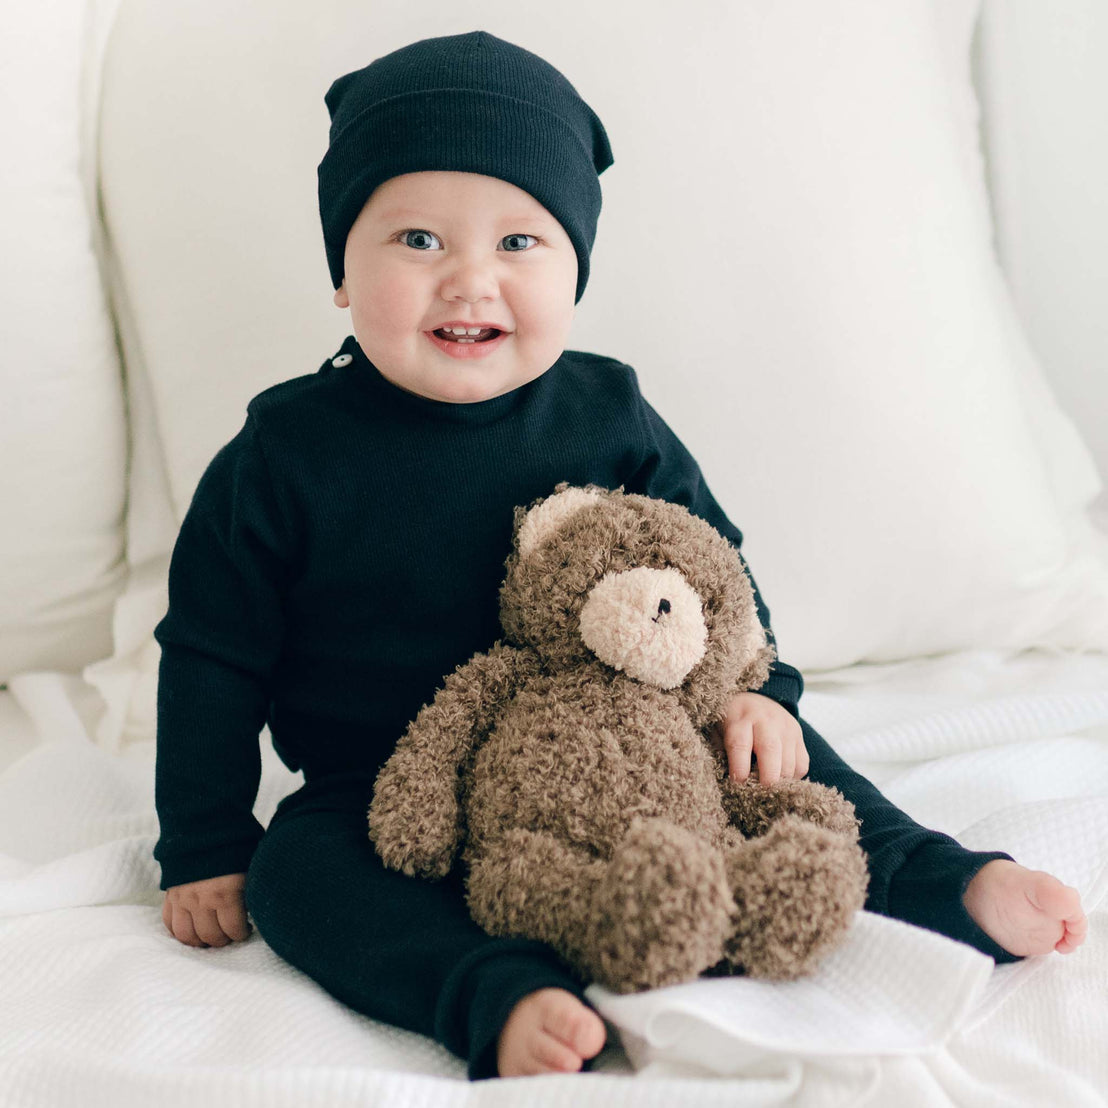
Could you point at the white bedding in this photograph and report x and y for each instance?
(102, 1007)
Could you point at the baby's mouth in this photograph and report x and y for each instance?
(484, 336)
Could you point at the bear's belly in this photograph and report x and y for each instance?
(581, 760)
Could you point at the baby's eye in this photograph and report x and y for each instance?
(516, 238)
(420, 237)
(402, 237)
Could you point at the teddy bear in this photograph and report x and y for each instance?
(573, 766)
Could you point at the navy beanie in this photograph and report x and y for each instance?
(471, 103)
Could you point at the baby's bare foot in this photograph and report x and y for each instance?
(548, 1031)
(1025, 911)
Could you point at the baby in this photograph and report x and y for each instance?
(344, 551)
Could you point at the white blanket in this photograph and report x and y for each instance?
(100, 1006)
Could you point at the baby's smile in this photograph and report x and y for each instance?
(476, 342)
(468, 332)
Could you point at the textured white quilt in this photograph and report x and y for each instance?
(100, 1006)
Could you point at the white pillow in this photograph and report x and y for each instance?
(1044, 92)
(824, 323)
(794, 253)
(212, 125)
(62, 419)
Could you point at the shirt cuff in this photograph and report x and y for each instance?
(928, 889)
(784, 685)
(180, 868)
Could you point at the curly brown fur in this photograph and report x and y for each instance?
(753, 807)
(581, 756)
(663, 912)
(532, 884)
(592, 809)
(796, 890)
(415, 819)
(544, 591)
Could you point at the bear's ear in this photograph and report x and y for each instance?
(548, 515)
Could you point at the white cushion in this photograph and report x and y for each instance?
(1044, 92)
(62, 420)
(828, 330)
(794, 253)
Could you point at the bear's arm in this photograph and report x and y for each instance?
(415, 817)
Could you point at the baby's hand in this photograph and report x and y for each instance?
(754, 724)
(1026, 911)
(207, 913)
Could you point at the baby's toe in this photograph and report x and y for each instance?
(1060, 912)
(1075, 929)
(575, 1024)
(1070, 941)
(1049, 895)
(550, 1053)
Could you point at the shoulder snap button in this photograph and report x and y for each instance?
(341, 360)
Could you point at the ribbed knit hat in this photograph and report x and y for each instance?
(471, 103)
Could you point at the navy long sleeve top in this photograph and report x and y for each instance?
(344, 552)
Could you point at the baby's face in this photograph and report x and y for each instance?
(436, 248)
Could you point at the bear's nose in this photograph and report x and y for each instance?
(663, 606)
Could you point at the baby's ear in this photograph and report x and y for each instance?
(544, 518)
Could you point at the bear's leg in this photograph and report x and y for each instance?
(532, 885)
(656, 913)
(753, 807)
(662, 912)
(796, 889)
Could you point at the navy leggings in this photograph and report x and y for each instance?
(405, 950)
(400, 949)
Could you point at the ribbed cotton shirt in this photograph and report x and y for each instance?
(343, 554)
